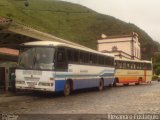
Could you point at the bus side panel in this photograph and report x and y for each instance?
(84, 76)
(149, 75)
(93, 82)
(79, 84)
(129, 76)
(108, 78)
(85, 83)
(89, 83)
(108, 81)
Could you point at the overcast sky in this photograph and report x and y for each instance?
(143, 13)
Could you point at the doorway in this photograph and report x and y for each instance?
(2, 79)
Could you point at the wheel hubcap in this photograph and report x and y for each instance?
(67, 89)
(100, 85)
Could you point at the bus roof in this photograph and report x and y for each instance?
(51, 43)
(142, 61)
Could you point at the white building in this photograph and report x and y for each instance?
(124, 47)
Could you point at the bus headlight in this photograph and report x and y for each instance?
(44, 84)
(51, 79)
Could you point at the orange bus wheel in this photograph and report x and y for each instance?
(126, 84)
(137, 83)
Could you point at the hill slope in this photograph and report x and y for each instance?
(72, 22)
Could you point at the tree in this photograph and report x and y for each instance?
(157, 70)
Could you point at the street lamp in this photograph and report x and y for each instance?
(26, 3)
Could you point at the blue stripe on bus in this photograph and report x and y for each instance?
(87, 83)
(89, 75)
(80, 84)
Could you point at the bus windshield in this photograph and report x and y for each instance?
(37, 58)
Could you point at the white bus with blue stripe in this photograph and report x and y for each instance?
(54, 67)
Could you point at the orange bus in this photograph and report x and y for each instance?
(133, 71)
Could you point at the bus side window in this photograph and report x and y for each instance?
(127, 65)
(99, 59)
(105, 62)
(70, 55)
(60, 56)
(115, 64)
(124, 65)
(94, 59)
(61, 62)
(141, 66)
(81, 57)
(76, 55)
(121, 65)
(90, 58)
(134, 66)
(86, 57)
(118, 64)
(144, 66)
(137, 66)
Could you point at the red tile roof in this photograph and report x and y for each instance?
(9, 51)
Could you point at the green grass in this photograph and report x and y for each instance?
(72, 22)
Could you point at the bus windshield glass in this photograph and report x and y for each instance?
(37, 58)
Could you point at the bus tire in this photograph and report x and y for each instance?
(101, 84)
(67, 88)
(139, 81)
(126, 84)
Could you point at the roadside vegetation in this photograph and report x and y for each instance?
(74, 22)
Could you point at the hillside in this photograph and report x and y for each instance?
(73, 22)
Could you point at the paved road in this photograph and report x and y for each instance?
(128, 99)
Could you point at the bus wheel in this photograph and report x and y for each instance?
(137, 83)
(67, 89)
(101, 85)
(126, 84)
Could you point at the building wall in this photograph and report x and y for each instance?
(121, 44)
(9, 51)
(123, 56)
(137, 51)
(128, 44)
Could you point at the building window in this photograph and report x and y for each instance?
(114, 48)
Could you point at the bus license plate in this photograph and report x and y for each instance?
(31, 84)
